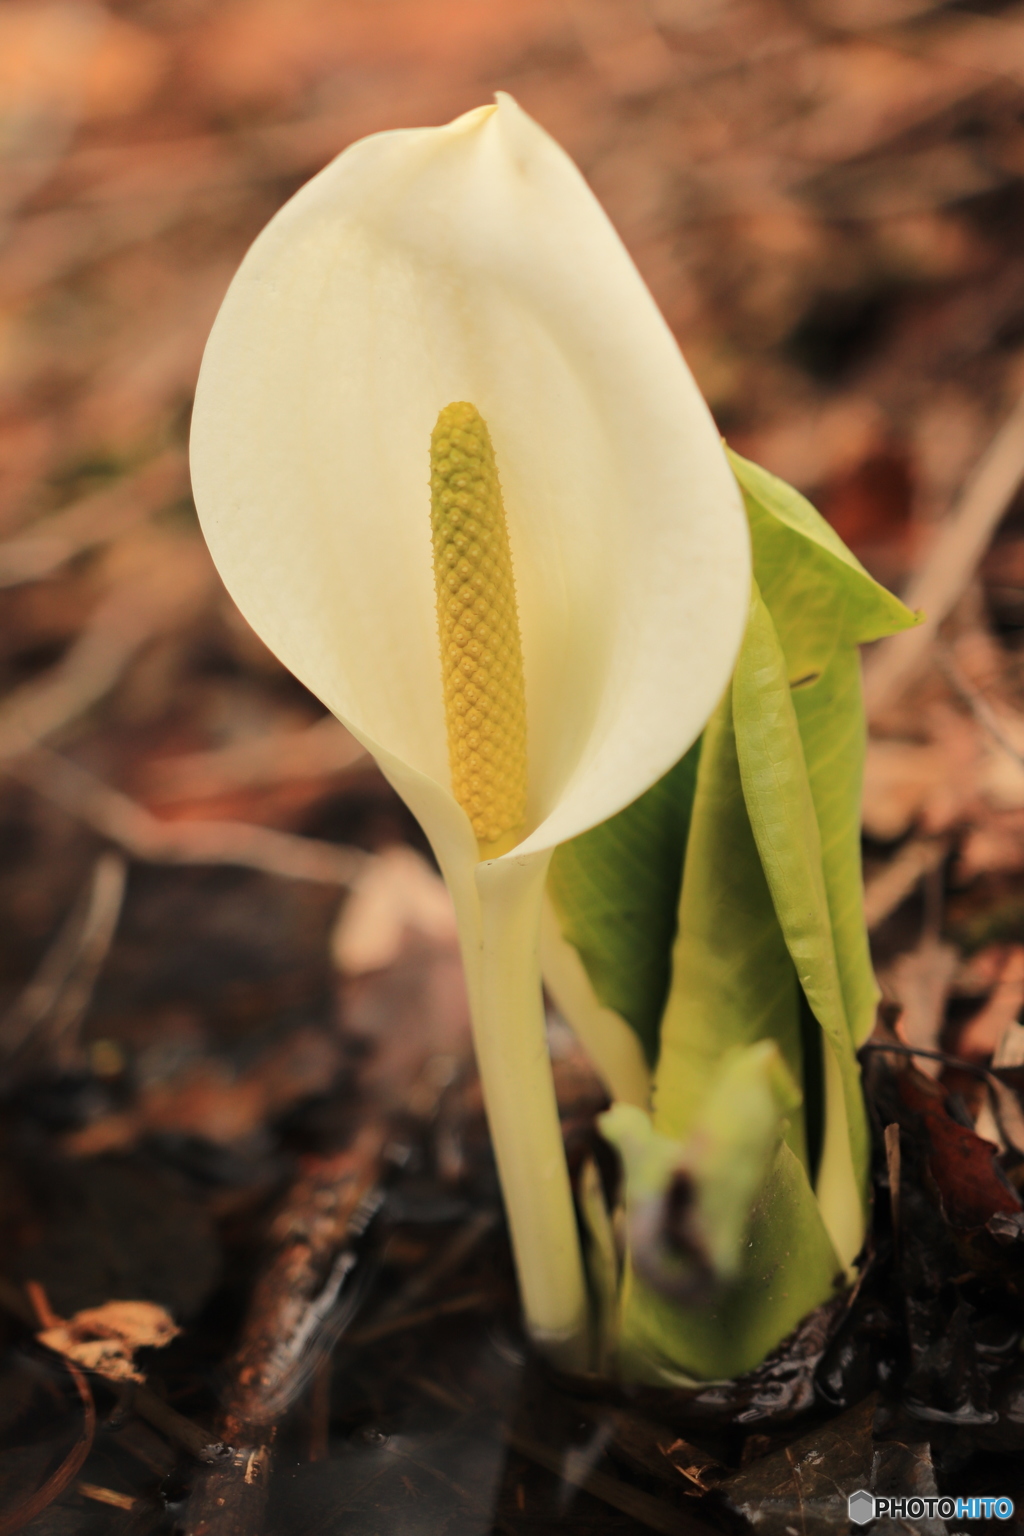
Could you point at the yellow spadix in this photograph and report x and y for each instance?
(421, 270)
(481, 650)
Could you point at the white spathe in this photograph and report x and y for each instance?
(472, 262)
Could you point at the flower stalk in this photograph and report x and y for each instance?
(510, 1036)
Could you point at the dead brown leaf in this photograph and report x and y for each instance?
(980, 1037)
(104, 1339)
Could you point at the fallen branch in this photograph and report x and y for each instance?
(308, 1263)
(117, 817)
(950, 564)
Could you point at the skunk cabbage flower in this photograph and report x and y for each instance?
(463, 282)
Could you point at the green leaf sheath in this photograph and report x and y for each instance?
(789, 1267)
(725, 1158)
(615, 890)
(738, 1172)
(733, 982)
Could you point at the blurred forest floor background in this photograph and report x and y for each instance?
(209, 901)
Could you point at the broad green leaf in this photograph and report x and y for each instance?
(789, 1267)
(816, 590)
(823, 604)
(783, 818)
(733, 982)
(615, 890)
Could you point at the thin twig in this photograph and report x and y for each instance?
(893, 1162)
(100, 1495)
(892, 885)
(116, 816)
(473, 1301)
(174, 1426)
(915, 1050)
(59, 992)
(156, 596)
(17, 1518)
(950, 564)
(1006, 1109)
(1007, 1113)
(656, 1514)
(318, 751)
(52, 541)
(451, 1256)
(976, 702)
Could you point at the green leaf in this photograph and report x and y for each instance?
(733, 982)
(823, 604)
(770, 923)
(615, 890)
(830, 718)
(816, 590)
(783, 818)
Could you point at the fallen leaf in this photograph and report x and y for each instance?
(970, 1184)
(982, 1034)
(798, 1488)
(209, 1099)
(104, 1339)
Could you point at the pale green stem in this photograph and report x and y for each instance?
(507, 1008)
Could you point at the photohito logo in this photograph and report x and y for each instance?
(864, 1507)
